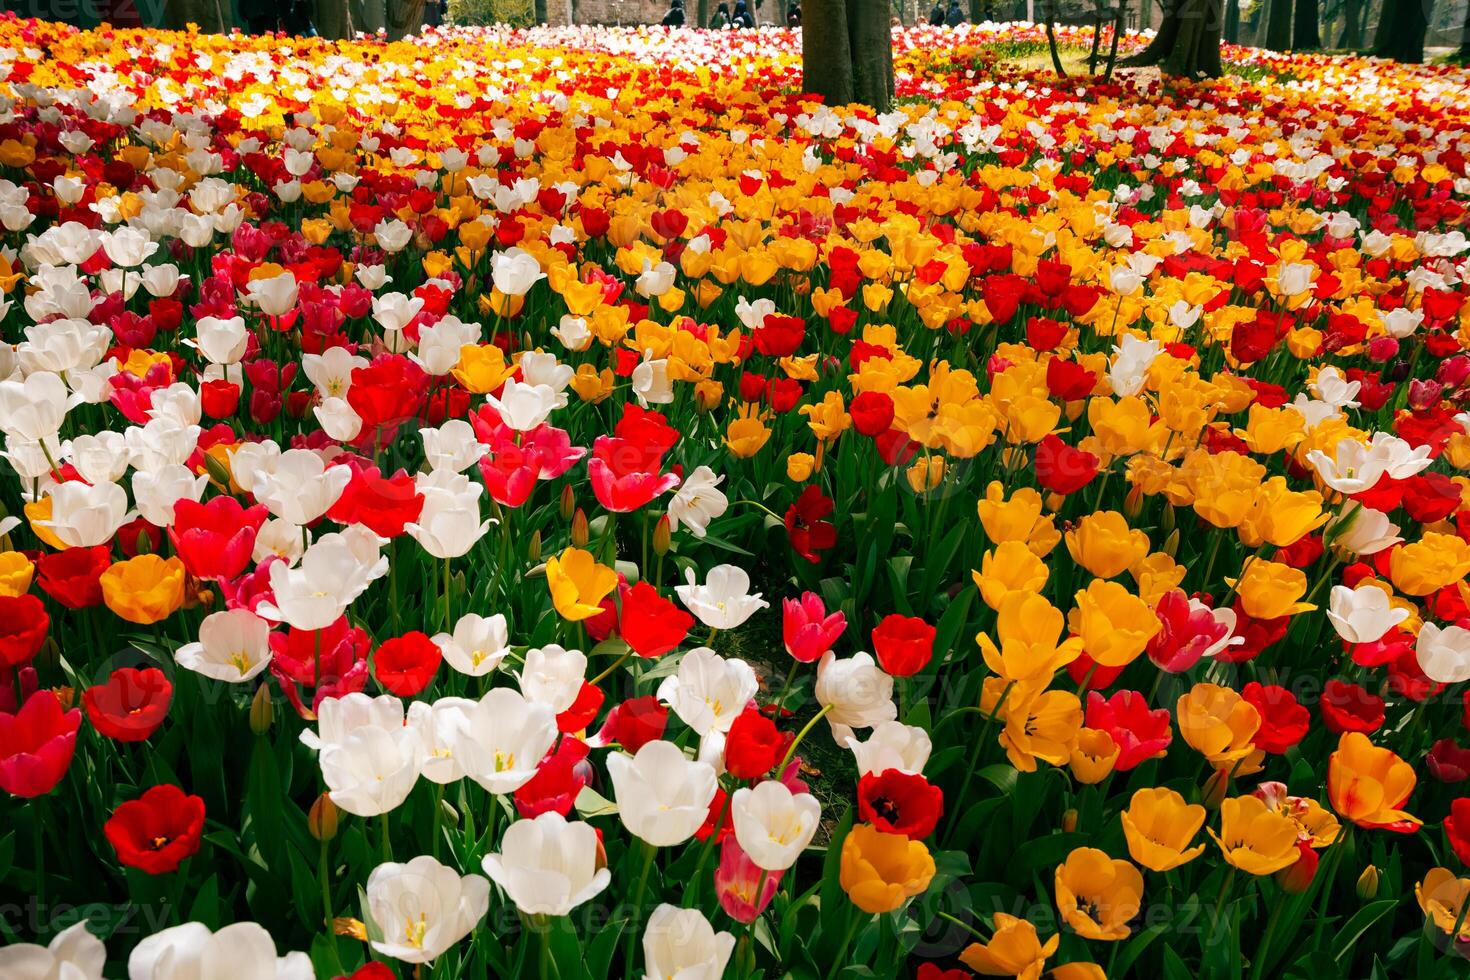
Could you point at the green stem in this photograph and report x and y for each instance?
(636, 916)
(791, 751)
(852, 927)
(612, 667)
(387, 846)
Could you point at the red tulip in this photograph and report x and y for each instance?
(753, 745)
(406, 664)
(36, 745)
(588, 703)
(1062, 469)
(649, 623)
(872, 413)
(381, 504)
(1457, 828)
(625, 474)
(385, 394)
(333, 661)
(809, 533)
(1448, 762)
(215, 540)
(900, 803)
(806, 628)
(903, 644)
(736, 882)
(1139, 732)
(510, 474)
(557, 782)
(1284, 722)
(1349, 708)
(23, 627)
(219, 398)
(131, 705)
(73, 577)
(158, 830)
(634, 723)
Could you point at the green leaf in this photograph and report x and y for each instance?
(1360, 923)
(591, 803)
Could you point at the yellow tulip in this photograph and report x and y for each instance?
(1097, 895)
(881, 871)
(1159, 826)
(145, 589)
(578, 584)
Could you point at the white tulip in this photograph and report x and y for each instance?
(697, 501)
(243, 951)
(724, 601)
(439, 725)
(372, 770)
(773, 824)
(1363, 614)
(478, 644)
(709, 692)
(234, 646)
(662, 797)
(1443, 653)
(423, 907)
(84, 516)
(449, 523)
(301, 487)
(680, 944)
(505, 739)
(548, 865)
(74, 954)
(523, 406)
(860, 694)
(553, 676)
(892, 745)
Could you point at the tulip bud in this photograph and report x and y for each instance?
(1166, 523)
(1215, 788)
(533, 547)
(217, 470)
(1054, 501)
(1069, 821)
(1133, 502)
(1296, 878)
(65, 696)
(568, 502)
(144, 544)
(322, 820)
(1368, 883)
(1171, 543)
(261, 711)
(580, 534)
(662, 536)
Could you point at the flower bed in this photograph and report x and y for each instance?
(560, 503)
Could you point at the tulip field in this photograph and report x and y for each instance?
(562, 503)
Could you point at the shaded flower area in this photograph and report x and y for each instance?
(563, 503)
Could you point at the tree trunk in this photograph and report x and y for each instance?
(405, 17)
(541, 17)
(1352, 25)
(701, 14)
(1306, 31)
(870, 40)
(1158, 49)
(1463, 53)
(1196, 50)
(334, 19)
(212, 16)
(1401, 30)
(826, 55)
(1232, 21)
(1278, 25)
